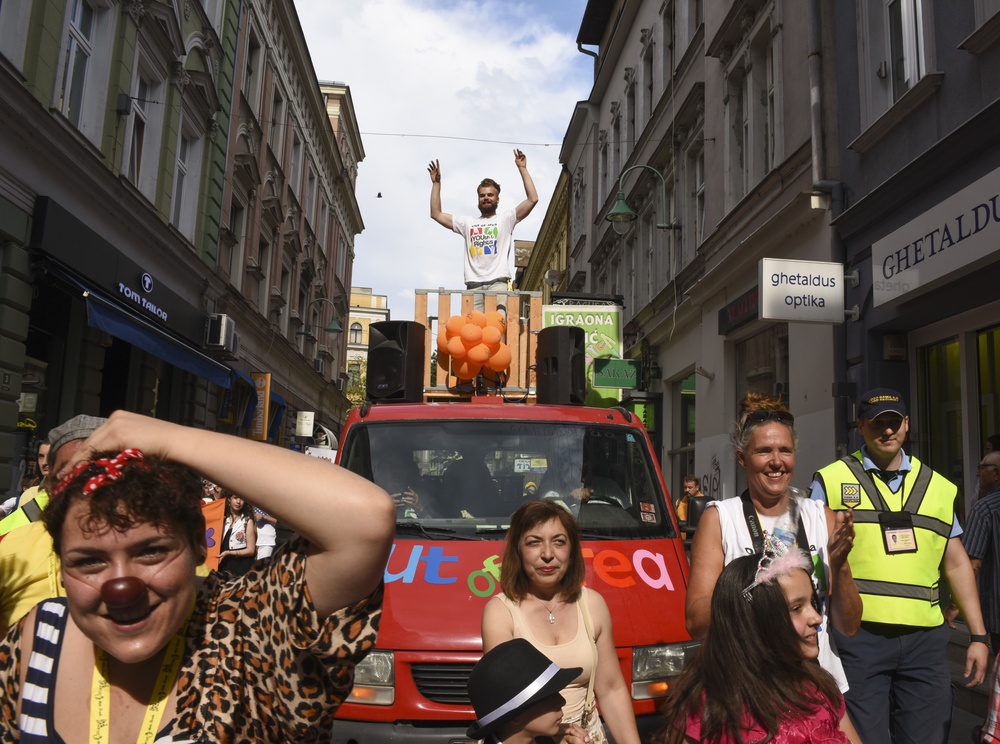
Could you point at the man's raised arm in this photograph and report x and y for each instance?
(525, 207)
(442, 218)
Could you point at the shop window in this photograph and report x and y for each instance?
(762, 363)
(988, 364)
(942, 432)
(682, 436)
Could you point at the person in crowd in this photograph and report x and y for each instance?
(514, 690)
(489, 238)
(33, 498)
(210, 491)
(907, 537)
(399, 475)
(29, 569)
(239, 536)
(755, 676)
(764, 439)
(692, 489)
(179, 657)
(530, 491)
(982, 543)
(544, 601)
(267, 534)
(992, 444)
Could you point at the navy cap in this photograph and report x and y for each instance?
(881, 400)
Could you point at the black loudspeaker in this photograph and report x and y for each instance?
(559, 373)
(395, 361)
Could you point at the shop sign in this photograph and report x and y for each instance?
(738, 312)
(956, 233)
(617, 373)
(305, 423)
(801, 291)
(262, 386)
(601, 326)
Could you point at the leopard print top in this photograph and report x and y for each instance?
(259, 666)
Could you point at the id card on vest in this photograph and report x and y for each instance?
(897, 532)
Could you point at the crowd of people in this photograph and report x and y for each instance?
(820, 614)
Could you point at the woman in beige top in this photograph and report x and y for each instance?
(544, 601)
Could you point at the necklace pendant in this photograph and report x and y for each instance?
(552, 618)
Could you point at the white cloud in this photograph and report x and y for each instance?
(428, 80)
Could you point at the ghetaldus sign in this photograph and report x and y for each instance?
(801, 291)
(954, 234)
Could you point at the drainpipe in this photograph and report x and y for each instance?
(835, 190)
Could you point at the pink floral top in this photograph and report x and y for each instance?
(821, 727)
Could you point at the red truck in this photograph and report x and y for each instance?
(472, 459)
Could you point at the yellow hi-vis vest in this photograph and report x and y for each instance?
(900, 588)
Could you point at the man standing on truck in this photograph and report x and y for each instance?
(489, 238)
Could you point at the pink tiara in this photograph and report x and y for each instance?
(777, 560)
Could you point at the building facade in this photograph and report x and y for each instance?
(919, 137)
(701, 116)
(112, 161)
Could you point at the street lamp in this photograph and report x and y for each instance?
(622, 215)
(332, 327)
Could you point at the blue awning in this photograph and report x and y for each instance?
(134, 329)
(244, 377)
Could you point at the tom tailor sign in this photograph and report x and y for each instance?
(801, 291)
(955, 233)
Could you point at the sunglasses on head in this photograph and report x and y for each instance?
(753, 418)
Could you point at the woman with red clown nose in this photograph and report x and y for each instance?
(142, 649)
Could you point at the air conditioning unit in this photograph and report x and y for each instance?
(221, 332)
(319, 365)
(341, 384)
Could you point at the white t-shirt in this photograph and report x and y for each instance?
(736, 542)
(488, 244)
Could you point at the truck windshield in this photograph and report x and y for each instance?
(470, 476)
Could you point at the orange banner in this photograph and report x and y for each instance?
(215, 517)
(262, 386)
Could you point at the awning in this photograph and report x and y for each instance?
(134, 329)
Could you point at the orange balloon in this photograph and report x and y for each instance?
(479, 354)
(465, 370)
(476, 317)
(442, 342)
(454, 326)
(456, 348)
(497, 320)
(492, 338)
(501, 359)
(444, 360)
(471, 335)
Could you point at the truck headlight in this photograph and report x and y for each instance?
(374, 680)
(654, 667)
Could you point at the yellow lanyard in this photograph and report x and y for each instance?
(100, 692)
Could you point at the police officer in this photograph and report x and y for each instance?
(906, 536)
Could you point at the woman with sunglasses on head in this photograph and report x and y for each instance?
(142, 648)
(755, 676)
(764, 439)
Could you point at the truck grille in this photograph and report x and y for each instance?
(442, 683)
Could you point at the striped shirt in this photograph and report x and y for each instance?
(982, 541)
(36, 712)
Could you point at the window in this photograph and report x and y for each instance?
(355, 337)
(275, 137)
(604, 176)
(649, 239)
(321, 231)
(237, 228)
(78, 52)
(251, 71)
(579, 209)
(137, 139)
(186, 180)
(681, 452)
(310, 195)
(647, 82)
(264, 262)
(896, 52)
(630, 132)
(295, 170)
(698, 195)
(762, 363)
(354, 373)
(616, 143)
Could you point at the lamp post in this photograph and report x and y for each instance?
(332, 327)
(621, 215)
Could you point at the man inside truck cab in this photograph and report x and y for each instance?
(571, 477)
(489, 238)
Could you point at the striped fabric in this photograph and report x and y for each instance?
(36, 712)
(982, 541)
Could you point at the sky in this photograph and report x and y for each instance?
(451, 80)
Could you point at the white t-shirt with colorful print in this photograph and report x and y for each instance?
(488, 245)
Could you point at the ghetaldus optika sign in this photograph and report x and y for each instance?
(801, 291)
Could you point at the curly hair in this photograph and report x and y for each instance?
(748, 666)
(754, 400)
(151, 491)
(513, 579)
